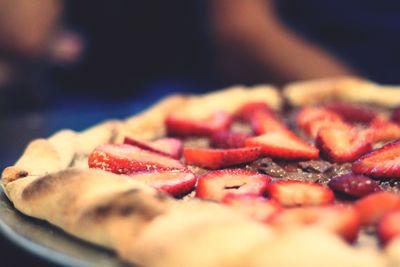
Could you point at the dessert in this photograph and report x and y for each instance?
(185, 183)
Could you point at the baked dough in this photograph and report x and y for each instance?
(51, 181)
(349, 89)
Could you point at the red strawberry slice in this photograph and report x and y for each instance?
(254, 206)
(216, 184)
(283, 145)
(389, 227)
(381, 129)
(382, 163)
(310, 114)
(342, 145)
(176, 125)
(352, 112)
(127, 159)
(396, 115)
(295, 193)
(266, 122)
(218, 158)
(227, 139)
(354, 185)
(171, 147)
(176, 183)
(312, 128)
(339, 219)
(246, 112)
(374, 206)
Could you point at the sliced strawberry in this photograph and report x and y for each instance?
(352, 112)
(246, 112)
(254, 206)
(312, 128)
(227, 139)
(171, 147)
(218, 158)
(215, 185)
(381, 129)
(266, 122)
(342, 220)
(295, 193)
(310, 114)
(374, 206)
(354, 185)
(176, 183)
(127, 159)
(283, 145)
(176, 125)
(341, 145)
(396, 115)
(389, 227)
(382, 163)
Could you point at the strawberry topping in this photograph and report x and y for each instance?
(246, 112)
(216, 184)
(266, 122)
(352, 112)
(374, 206)
(354, 185)
(127, 159)
(175, 183)
(254, 206)
(395, 117)
(342, 220)
(342, 145)
(176, 125)
(381, 129)
(382, 163)
(389, 227)
(227, 139)
(312, 114)
(217, 158)
(312, 128)
(295, 193)
(284, 145)
(171, 147)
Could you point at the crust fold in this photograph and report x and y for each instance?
(348, 89)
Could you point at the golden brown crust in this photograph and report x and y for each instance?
(349, 89)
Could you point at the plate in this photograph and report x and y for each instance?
(49, 242)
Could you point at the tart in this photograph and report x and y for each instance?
(238, 177)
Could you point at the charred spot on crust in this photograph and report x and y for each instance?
(114, 134)
(128, 203)
(161, 196)
(77, 158)
(13, 173)
(21, 174)
(46, 183)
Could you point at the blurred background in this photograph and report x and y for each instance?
(74, 63)
(71, 64)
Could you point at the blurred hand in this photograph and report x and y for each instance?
(255, 46)
(27, 26)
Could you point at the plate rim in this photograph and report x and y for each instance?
(36, 249)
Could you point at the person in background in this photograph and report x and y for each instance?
(283, 40)
(255, 45)
(27, 31)
(27, 27)
(125, 44)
